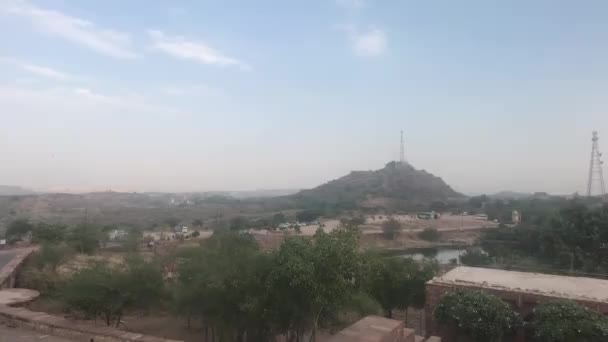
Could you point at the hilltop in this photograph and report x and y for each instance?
(10, 190)
(394, 186)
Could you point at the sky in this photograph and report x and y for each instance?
(240, 95)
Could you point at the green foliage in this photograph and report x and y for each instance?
(196, 233)
(475, 257)
(18, 229)
(197, 222)
(50, 256)
(480, 316)
(314, 279)
(47, 233)
(564, 321)
(391, 228)
(85, 239)
(239, 223)
(429, 234)
(223, 283)
(171, 221)
(278, 218)
(397, 283)
(308, 215)
(102, 291)
(576, 236)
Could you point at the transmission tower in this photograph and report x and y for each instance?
(402, 152)
(596, 176)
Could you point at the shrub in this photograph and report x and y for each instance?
(390, 228)
(429, 234)
(480, 316)
(563, 321)
(475, 257)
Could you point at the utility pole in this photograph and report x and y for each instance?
(596, 175)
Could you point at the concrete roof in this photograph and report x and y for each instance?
(538, 283)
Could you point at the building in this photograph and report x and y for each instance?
(515, 217)
(522, 290)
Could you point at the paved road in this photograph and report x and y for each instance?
(6, 256)
(8, 334)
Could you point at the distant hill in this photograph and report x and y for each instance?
(9, 190)
(394, 186)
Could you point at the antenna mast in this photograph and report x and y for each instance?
(596, 175)
(402, 152)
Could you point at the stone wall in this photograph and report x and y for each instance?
(522, 302)
(8, 273)
(59, 326)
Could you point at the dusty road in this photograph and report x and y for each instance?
(6, 256)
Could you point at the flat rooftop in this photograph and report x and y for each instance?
(538, 283)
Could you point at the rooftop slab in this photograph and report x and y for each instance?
(538, 283)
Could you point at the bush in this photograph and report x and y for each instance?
(429, 234)
(390, 228)
(480, 316)
(475, 257)
(563, 321)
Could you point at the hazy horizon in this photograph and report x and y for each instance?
(179, 96)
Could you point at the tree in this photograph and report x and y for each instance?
(429, 234)
(224, 284)
(480, 316)
(51, 256)
(397, 283)
(564, 321)
(313, 280)
(102, 291)
(391, 228)
(277, 219)
(308, 215)
(197, 223)
(18, 229)
(84, 239)
(475, 257)
(46, 233)
(239, 223)
(171, 221)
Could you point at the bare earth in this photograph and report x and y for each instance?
(8, 334)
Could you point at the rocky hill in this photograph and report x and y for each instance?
(396, 186)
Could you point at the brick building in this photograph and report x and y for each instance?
(520, 289)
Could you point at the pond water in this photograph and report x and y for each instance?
(442, 255)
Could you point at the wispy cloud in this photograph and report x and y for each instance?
(37, 69)
(351, 4)
(80, 31)
(371, 43)
(182, 48)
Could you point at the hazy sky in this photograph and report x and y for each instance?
(236, 95)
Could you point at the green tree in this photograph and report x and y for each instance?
(397, 283)
(51, 256)
(308, 215)
(47, 233)
(565, 321)
(391, 228)
(475, 257)
(239, 223)
(84, 239)
(480, 316)
(224, 285)
(197, 223)
(429, 234)
(103, 291)
(278, 218)
(18, 229)
(313, 280)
